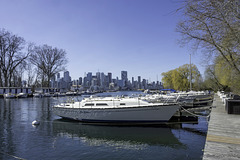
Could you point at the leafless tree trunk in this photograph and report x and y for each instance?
(49, 61)
(30, 74)
(12, 55)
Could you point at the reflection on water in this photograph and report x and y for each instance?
(56, 138)
(127, 137)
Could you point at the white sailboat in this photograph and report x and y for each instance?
(116, 110)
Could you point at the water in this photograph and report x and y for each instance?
(56, 138)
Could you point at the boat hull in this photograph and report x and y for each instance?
(9, 96)
(148, 114)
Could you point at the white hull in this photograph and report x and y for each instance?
(22, 95)
(37, 95)
(141, 114)
(9, 95)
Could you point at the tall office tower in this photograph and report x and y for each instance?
(89, 78)
(80, 81)
(144, 83)
(110, 77)
(98, 78)
(124, 77)
(139, 79)
(85, 81)
(66, 76)
(132, 82)
(139, 84)
(102, 80)
(106, 81)
(67, 79)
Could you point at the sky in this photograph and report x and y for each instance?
(138, 36)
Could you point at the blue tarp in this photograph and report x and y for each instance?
(172, 90)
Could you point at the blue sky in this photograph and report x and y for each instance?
(103, 35)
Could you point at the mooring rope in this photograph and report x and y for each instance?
(193, 113)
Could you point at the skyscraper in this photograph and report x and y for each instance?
(89, 79)
(110, 77)
(102, 80)
(67, 80)
(139, 82)
(124, 77)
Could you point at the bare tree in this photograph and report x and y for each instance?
(30, 74)
(49, 61)
(213, 25)
(12, 55)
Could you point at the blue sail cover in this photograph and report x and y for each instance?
(172, 90)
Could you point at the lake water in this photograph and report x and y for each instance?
(60, 139)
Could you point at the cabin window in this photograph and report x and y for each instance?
(101, 104)
(89, 104)
(122, 104)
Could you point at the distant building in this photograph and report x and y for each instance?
(110, 77)
(124, 78)
(80, 81)
(89, 79)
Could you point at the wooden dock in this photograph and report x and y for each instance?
(223, 136)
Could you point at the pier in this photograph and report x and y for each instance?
(223, 136)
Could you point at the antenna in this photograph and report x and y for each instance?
(190, 74)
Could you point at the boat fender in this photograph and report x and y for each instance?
(35, 122)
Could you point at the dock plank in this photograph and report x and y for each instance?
(223, 136)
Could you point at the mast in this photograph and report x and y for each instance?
(190, 74)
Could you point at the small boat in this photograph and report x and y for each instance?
(58, 94)
(37, 95)
(116, 110)
(22, 95)
(160, 98)
(47, 95)
(9, 95)
(195, 101)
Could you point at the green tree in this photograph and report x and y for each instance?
(167, 79)
(179, 78)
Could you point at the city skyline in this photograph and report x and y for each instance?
(138, 36)
(113, 77)
(102, 82)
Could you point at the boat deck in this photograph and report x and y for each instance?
(223, 137)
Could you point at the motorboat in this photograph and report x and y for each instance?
(59, 94)
(71, 93)
(116, 110)
(22, 95)
(9, 95)
(190, 99)
(47, 95)
(37, 95)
